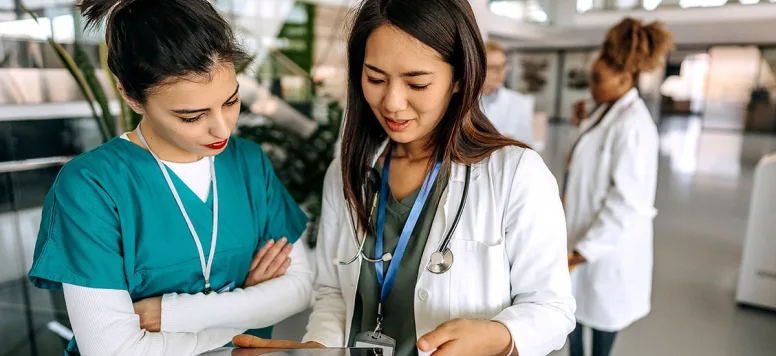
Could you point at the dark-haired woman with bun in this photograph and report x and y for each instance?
(439, 235)
(172, 238)
(609, 191)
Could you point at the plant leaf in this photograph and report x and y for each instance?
(87, 68)
(75, 72)
(32, 14)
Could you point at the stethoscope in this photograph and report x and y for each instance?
(441, 260)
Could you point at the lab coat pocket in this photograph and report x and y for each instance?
(479, 287)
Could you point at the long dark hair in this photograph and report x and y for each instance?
(464, 135)
(153, 41)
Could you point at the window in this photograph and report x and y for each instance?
(650, 5)
(525, 10)
(584, 5)
(701, 3)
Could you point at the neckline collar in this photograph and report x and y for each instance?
(457, 171)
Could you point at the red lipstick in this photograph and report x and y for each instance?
(217, 145)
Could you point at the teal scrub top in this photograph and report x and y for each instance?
(110, 221)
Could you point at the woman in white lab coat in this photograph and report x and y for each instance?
(413, 126)
(609, 191)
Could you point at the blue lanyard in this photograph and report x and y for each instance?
(386, 281)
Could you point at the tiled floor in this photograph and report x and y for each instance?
(703, 198)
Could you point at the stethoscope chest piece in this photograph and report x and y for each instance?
(440, 262)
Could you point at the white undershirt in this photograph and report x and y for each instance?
(196, 175)
(104, 321)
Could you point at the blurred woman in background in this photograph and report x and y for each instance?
(609, 190)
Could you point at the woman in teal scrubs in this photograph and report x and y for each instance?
(176, 236)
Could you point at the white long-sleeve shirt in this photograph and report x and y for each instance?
(104, 321)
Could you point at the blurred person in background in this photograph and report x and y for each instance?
(476, 238)
(609, 188)
(156, 256)
(511, 112)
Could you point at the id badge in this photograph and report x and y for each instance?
(226, 288)
(375, 340)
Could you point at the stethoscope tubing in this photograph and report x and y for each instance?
(446, 242)
(387, 257)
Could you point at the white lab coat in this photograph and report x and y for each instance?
(610, 197)
(511, 113)
(510, 257)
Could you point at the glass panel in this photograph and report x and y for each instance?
(24, 326)
(733, 75)
(31, 315)
(62, 137)
(684, 87)
(761, 111)
(535, 74)
(575, 80)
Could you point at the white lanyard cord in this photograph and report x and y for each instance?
(206, 266)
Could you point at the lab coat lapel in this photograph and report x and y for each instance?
(350, 248)
(617, 110)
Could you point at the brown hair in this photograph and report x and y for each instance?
(632, 47)
(494, 46)
(464, 135)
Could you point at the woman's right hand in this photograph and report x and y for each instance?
(578, 112)
(271, 261)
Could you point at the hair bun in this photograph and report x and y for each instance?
(96, 11)
(630, 46)
(660, 41)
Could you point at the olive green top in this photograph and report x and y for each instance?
(399, 310)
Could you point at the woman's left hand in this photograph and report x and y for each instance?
(150, 312)
(468, 337)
